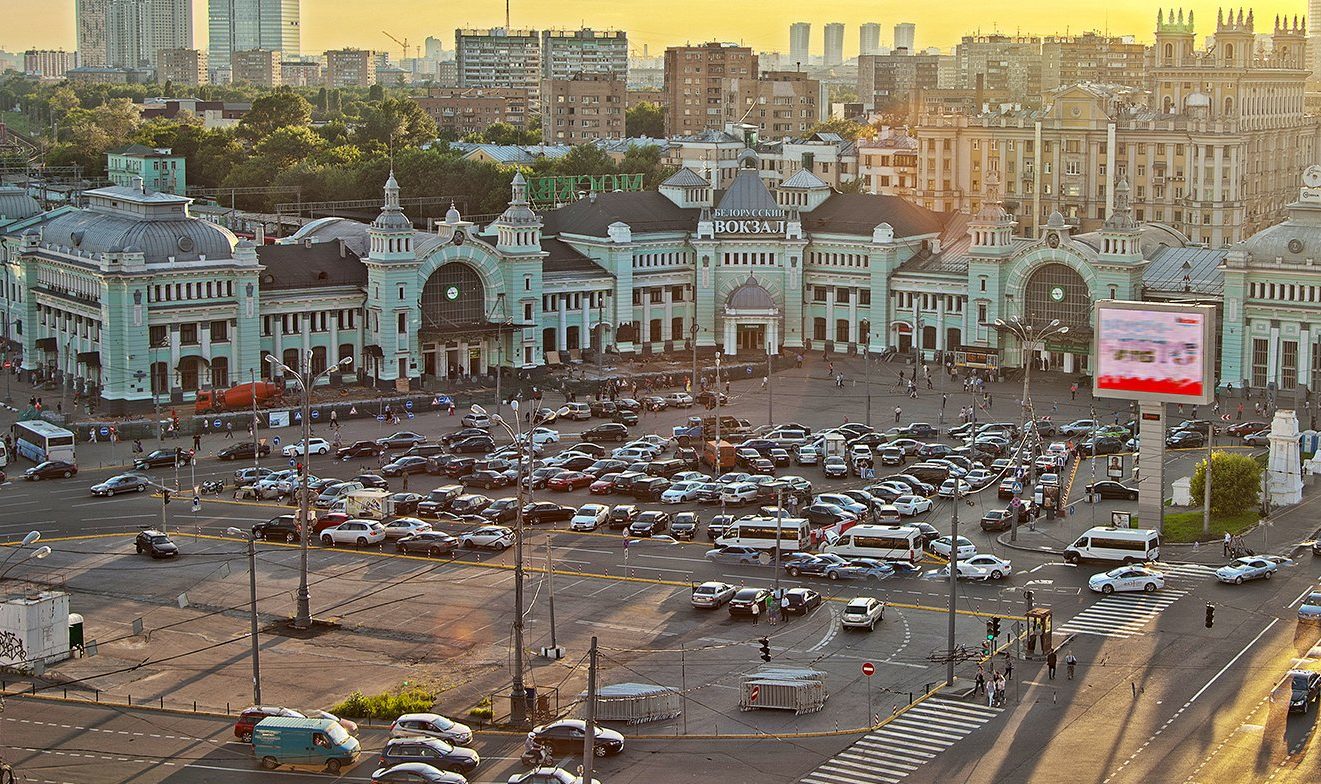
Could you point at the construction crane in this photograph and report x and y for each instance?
(403, 43)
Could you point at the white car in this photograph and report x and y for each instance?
(984, 566)
(431, 725)
(710, 595)
(966, 548)
(679, 400)
(681, 492)
(317, 446)
(845, 502)
(544, 435)
(660, 443)
(1078, 427)
(980, 477)
(489, 537)
(355, 532)
(400, 527)
(909, 505)
(692, 476)
(947, 488)
(835, 467)
(589, 517)
(862, 613)
(1127, 578)
(480, 420)
(807, 455)
(1240, 570)
(631, 453)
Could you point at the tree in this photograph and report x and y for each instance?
(645, 119)
(585, 159)
(846, 128)
(1235, 483)
(287, 146)
(277, 109)
(397, 122)
(855, 185)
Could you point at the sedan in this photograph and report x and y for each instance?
(415, 773)
(50, 469)
(748, 601)
(1112, 489)
(713, 594)
(734, 554)
(947, 488)
(1304, 689)
(123, 483)
(244, 450)
(870, 568)
(983, 567)
(473, 444)
(1242, 569)
(1185, 439)
(432, 543)
(681, 492)
(359, 449)
(488, 537)
(400, 527)
(432, 751)
(374, 481)
(566, 737)
(996, 520)
(649, 523)
(355, 532)
(589, 517)
(800, 601)
(1127, 578)
(162, 458)
(1078, 427)
(570, 481)
(941, 546)
(316, 446)
(489, 480)
(547, 512)
(405, 465)
(685, 525)
(835, 467)
(1260, 438)
(828, 565)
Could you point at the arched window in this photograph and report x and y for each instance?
(1229, 106)
(291, 359)
(318, 360)
(1169, 52)
(1229, 53)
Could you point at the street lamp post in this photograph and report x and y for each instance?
(32, 538)
(155, 393)
(252, 608)
(1028, 336)
(303, 613)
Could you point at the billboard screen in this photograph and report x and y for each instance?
(1154, 351)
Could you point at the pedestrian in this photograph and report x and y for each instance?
(1009, 667)
(1228, 540)
(929, 386)
(1051, 660)
(944, 398)
(756, 610)
(784, 600)
(137, 446)
(197, 442)
(1070, 661)
(1073, 391)
(764, 381)
(91, 435)
(990, 691)
(772, 609)
(830, 369)
(999, 689)
(979, 685)
(898, 412)
(229, 430)
(405, 482)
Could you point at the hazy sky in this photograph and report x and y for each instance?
(763, 24)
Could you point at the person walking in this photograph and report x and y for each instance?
(1051, 661)
(1073, 391)
(197, 442)
(1228, 540)
(229, 430)
(979, 685)
(990, 690)
(898, 412)
(1009, 667)
(999, 689)
(1070, 661)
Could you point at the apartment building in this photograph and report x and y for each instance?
(707, 86)
(499, 58)
(583, 108)
(258, 67)
(181, 66)
(565, 53)
(1092, 57)
(459, 111)
(350, 68)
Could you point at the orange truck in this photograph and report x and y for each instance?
(237, 397)
(719, 455)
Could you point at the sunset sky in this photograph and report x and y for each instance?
(763, 24)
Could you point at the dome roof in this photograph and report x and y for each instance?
(15, 204)
(1056, 220)
(1293, 239)
(392, 220)
(751, 295)
(185, 239)
(452, 215)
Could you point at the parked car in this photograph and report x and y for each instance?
(684, 525)
(355, 532)
(748, 601)
(400, 527)
(800, 601)
(649, 523)
(405, 465)
(589, 517)
(278, 529)
(712, 594)
(244, 450)
(734, 554)
(431, 725)
(488, 537)
(835, 467)
(438, 500)
(546, 512)
(415, 773)
(249, 717)
(433, 543)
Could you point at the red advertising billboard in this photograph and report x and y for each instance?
(1154, 352)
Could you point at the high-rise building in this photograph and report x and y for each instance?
(90, 18)
(886, 82)
(460, 111)
(905, 36)
(834, 44)
(49, 63)
(499, 58)
(138, 30)
(566, 53)
(301, 73)
(1003, 68)
(800, 43)
(181, 66)
(350, 68)
(707, 86)
(869, 39)
(257, 67)
(243, 25)
(1091, 57)
(583, 108)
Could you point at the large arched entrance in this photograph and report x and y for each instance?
(455, 336)
(1056, 292)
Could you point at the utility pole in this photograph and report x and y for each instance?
(589, 736)
(1206, 484)
(256, 446)
(550, 586)
(303, 616)
(252, 597)
(953, 584)
(770, 390)
(866, 365)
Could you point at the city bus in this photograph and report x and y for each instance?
(39, 440)
(795, 534)
(882, 542)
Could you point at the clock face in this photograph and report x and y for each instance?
(1057, 294)
(1312, 176)
(452, 293)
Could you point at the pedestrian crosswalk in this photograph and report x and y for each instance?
(895, 751)
(1123, 615)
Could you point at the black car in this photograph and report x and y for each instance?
(405, 465)
(50, 469)
(425, 450)
(921, 430)
(935, 450)
(801, 601)
(919, 487)
(1304, 689)
(648, 523)
(546, 512)
(1200, 425)
(406, 503)
(359, 449)
(578, 463)
(1102, 445)
(162, 457)
(473, 444)
(469, 504)
(566, 737)
(603, 408)
(608, 431)
(502, 510)
(155, 544)
(490, 480)
(433, 543)
(717, 526)
(375, 481)
(685, 525)
(1112, 489)
(460, 466)
(625, 417)
(459, 435)
(649, 488)
(746, 599)
(244, 450)
(277, 529)
(438, 500)
(622, 515)
(996, 520)
(433, 751)
(123, 483)
(401, 440)
(1185, 439)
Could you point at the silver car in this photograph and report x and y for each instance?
(1310, 610)
(710, 595)
(1249, 568)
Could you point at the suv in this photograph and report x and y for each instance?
(622, 515)
(608, 431)
(281, 529)
(155, 544)
(863, 612)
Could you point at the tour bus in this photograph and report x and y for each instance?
(882, 542)
(760, 532)
(39, 440)
(1130, 545)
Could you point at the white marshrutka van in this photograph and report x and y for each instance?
(1129, 545)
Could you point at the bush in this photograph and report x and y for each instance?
(1235, 483)
(482, 710)
(389, 705)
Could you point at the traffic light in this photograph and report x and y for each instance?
(299, 468)
(165, 499)
(1210, 615)
(765, 649)
(995, 627)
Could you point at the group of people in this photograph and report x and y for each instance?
(994, 685)
(776, 607)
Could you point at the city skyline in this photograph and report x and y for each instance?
(330, 24)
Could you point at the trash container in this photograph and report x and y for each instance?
(75, 632)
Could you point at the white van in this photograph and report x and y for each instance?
(1129, 545)
(791, 534)
(883, 542)
(738, 494)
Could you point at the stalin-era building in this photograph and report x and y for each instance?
(134, 299)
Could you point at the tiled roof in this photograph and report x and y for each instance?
(566, 260)
(1165, 272)
(644, 211)
(298, 266)
(859, 213)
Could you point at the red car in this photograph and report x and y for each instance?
(571, 480)
(603, 486)
(330, 520)
(250, 716)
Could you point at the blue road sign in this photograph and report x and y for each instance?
(408, 404)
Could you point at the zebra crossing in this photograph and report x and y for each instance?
(1123, 615)
(895, 751)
